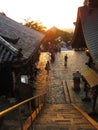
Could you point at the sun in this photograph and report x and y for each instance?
(59, 13)
(58, 23)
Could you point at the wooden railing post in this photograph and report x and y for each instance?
(30, 109)
(39, 101)
(20, 118)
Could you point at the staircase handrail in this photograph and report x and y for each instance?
(40, 102)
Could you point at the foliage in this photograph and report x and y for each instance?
(2, 13)
(36, 25)
(51, 35)
(93, 3)
(86, 2)
(54, 36)
(54, 33)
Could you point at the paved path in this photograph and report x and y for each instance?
(58, 113)
(58, 73)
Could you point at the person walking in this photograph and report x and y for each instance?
(65, 60)
(76, 79)
(47, 67)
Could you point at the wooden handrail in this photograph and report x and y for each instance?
(33, 114)
(2, 113)
(87, 117)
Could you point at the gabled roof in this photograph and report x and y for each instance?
(87, 18)
(53, 33)
(27, 39)
(7, 51)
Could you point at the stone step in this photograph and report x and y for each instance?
(61, 117)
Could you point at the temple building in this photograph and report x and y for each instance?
(19, 51)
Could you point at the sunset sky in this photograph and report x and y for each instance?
(59, 13)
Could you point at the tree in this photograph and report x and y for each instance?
(86, 2)
(91, 3)
(2, 13)
(36, 25)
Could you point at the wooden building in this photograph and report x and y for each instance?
(86, 30)
(86, 38)
(19, 51)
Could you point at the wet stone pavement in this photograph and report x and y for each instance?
(52, 82)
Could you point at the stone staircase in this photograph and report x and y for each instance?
(61, 117)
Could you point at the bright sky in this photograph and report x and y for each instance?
(59, 13)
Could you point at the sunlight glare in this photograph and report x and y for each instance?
(60, 13)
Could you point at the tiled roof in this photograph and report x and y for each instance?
(87, 18)
(7, 52)
(89, 21)
(28, 39)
